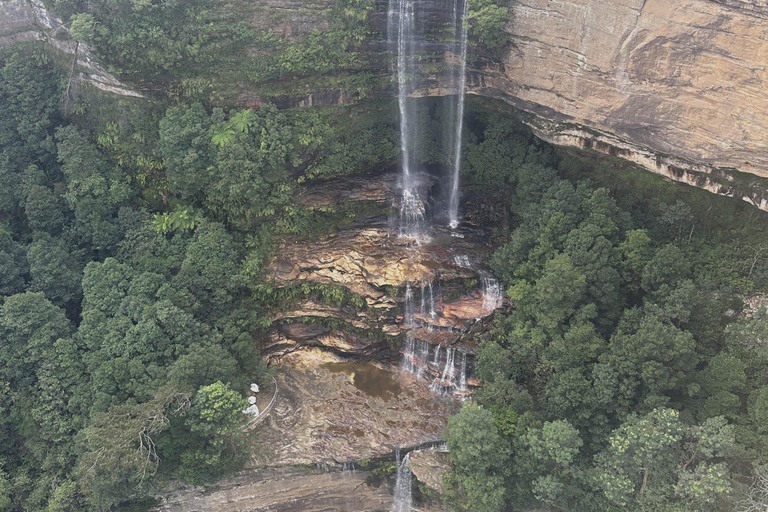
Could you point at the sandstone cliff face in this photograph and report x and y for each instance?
(682, 77)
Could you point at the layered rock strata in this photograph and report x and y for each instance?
(684, 78)
(675, 86)
(335, 412)
(286, 491)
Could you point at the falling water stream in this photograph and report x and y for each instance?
(403, 485)
(461, 28)
(403, 35)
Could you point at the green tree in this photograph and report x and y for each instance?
(121, 455)
(486, 20)
(82, 27)
(665, 270)
(648, 360)
(184, 146)
(654, 458)
(216, 419)
(54, 270)
(555, 447)
(209, 277)
(29, 324)
(479, 457)
(13, 264)
(5, 492)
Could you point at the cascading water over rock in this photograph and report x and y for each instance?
(401, 28)
(403, 498)
(492, 297)
(404, 20)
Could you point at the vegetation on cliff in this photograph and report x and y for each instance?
(132, 243)
(131, 247)
(623, 378)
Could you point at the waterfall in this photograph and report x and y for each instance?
(407, 42)
(448, 370)
(401, 29)
(403, 485)
(463, 374)
(460, 30)
(492, 298)
(409, 353)
(436, 359)
(408, 307)
(421, 356)
(462, 261)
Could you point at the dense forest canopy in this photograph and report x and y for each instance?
(133, 237)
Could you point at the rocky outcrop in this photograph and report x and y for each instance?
(429, 467)
(364, 258)
(28, 20)
(375, 187)
(286, 490)
(684, 78)
(335, 412)
(676, 86)
(422, 300)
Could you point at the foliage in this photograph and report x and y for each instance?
(479, 457)
(487, 19)
(144, 39)
(321, 52)
(616, 380)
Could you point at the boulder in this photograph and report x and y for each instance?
(429, 467)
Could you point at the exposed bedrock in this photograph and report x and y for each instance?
(676, 86)
(336, 412)
(284, 491)
(429, 467)
(23, 21)
(683, 77)
(428, 302)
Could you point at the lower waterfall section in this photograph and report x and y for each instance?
(403, 497)
(437, 345)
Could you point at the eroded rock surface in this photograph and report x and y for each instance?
(429, 467)
(375, 187)
(364, 258)
(284, 491)
(23, 21)
(684, 77)
(336, 412)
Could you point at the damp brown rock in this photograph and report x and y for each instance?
(335, 411)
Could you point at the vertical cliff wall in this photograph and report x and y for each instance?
(677, 86)
(680, 77)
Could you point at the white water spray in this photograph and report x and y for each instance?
(461, 28)
(403, 498)
(492, 297)
(401, 29)
(463, 375)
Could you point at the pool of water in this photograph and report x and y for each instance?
(369, 379)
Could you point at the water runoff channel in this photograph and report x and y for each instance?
(405, 22)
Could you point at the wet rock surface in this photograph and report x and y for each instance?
(283, 491)
(373, 187)
(364, 258)
(333, 411)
